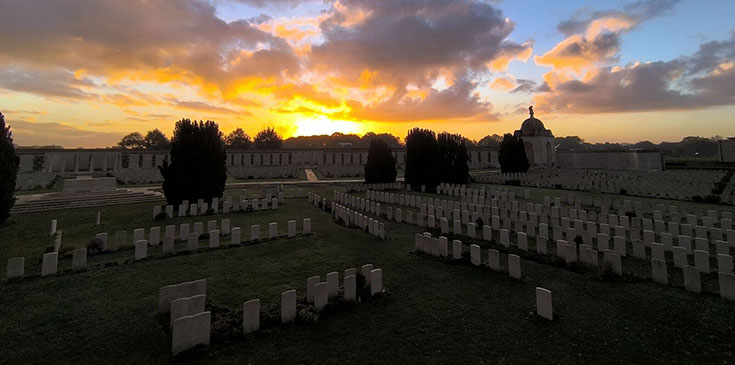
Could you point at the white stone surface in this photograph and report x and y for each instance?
(456, 249)
(255, 232)
(307, 225)
(493, 259)
(291, 228)
(311, 287)
(514, 266)
(235, 236)
(727, 285)
(376, 281)
(169, 293)
(214, 239)
(251, 316)
(190, 331)
(168, 244)
(321, 296)
(692, 279)
(184, 307)
(659, 272)
(475, 254)
(192, 244)
(288, 306)
(350, 293)
(15, 268)
(332, 284)
(141, 249)
(50, 263)
(544, 307)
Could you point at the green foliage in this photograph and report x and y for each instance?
(238, 140)
(197, 168)
(268, 139)
(452, 163)
(512, 154)
(9, 163)
(134, 141)
(422, 154)
(95, 245)
(381, 165)
(156, 140)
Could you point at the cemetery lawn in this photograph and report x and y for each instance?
(436, 311)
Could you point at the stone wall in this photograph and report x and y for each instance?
(727, 149)
(142, 166)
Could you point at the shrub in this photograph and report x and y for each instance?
(606, 272)
(161, 216)
(95, 245)
(623, 192)
(578, 240)
(513, 182)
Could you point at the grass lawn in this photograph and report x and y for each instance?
(437, 311)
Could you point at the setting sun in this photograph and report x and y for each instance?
(321, 124)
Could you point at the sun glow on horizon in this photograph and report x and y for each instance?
(321, 125)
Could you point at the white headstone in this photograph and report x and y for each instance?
(376, 281)
(141, 249)
(475, 254)
(15, 268)
(321, 296)
(50, 263)
(692, 279)
(332, 284)
(190, 331)
(310, 287)
(272, 230)
(350, 293)
(514, 266)
(288, 306)
(251, 316)
(544, 306)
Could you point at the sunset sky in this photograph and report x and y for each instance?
(82, 73)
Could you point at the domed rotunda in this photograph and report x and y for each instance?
(538, 140)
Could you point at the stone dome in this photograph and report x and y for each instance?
(533, 127)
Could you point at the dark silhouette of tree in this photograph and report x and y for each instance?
(197, 168)
(268, 139)
(156, 140)
(388, 138)
(422, 154)
(490, 141)
(512, 154)
(452, 164)
(134, 141)
(381, 165)
(9, 163)
(238, 140)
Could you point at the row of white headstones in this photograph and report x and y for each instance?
(49, 264)
(440, 247)
(568, 250)
(190, 324)
(185, 209)
(675, 184)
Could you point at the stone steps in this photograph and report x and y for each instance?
(72, 201)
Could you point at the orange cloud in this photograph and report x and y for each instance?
(503, 83)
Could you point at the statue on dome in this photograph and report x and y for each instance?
(530, 110)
